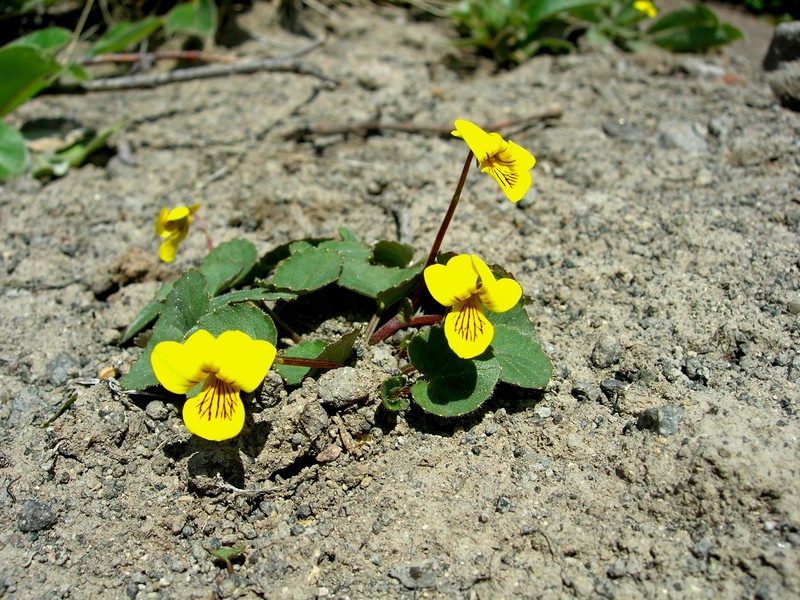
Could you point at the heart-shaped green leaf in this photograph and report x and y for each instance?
(228, 264)
(455, 386)
(185, 304)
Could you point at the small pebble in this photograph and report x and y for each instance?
(663, 420)
(35, 516)
(607, 352)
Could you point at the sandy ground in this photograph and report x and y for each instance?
(659, 249)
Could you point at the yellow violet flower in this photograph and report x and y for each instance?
(228, 364)
(646, 7)
(173, 225)
(469, 286)
(507, 163)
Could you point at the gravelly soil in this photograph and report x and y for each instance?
(660, 251)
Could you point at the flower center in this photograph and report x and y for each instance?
(217, 400)
(468, 323)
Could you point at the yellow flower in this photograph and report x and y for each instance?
(508, 164)
(467, 284)
(227, 364)
(173, 225)
(646, 7)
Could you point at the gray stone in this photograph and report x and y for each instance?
(782, 63)
(696, 370)
(583, 390)
(607, 352)
(784, 46)
(417, 576)
(35, 516)
(62, 368)
(663, 420)
(342, 387)
(157, 410)
(681, 135)
(785, 84)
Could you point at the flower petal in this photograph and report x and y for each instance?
(484, 273)
(242, 361)
(467, 329)
(454, 282)
(179, 212)
(169, 247)
(502, 295)
(161, 223)
(514, 182)
(216, 413)
(180, 367)
(483, 145)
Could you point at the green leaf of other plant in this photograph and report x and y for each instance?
(49, 38)
(455, 386)
(13, 153)
(125, 34)
(198, 17)
(26, 70)
(691, 29)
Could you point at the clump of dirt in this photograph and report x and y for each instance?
(659, 251)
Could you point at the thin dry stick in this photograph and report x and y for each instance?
(375, 125)
(148, 80)
(136, 57)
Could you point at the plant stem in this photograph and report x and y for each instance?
(314, 363)
(396, 324)
(437, 242)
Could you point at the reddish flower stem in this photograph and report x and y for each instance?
(314, 363)
(396, 324)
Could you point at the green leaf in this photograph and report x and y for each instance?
(13, 153)
(26, 70)
(392, 254)
(226, 554)
(697, 39)
(49, 38)
(456, 386)
(308, 270)
(393, 396)
(228, 264)
(340, 350)
(293, 375)
(539, 10)
(350, 250)
(239, 317)
(149, 313)
(125, 34)
(683, 18)
(198, 17)
(254, 295)
(375, 281)
(347, 235)
(515, 347)
(58, 163)
(185, 303)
